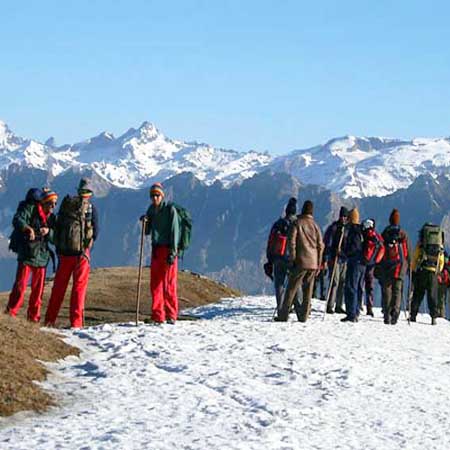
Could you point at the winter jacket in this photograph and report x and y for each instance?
(395, 269)
(305, 243)
(282, 227)
(163, 225)
(33, 253)
(331, 240)
(353, 248)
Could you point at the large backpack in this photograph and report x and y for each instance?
(185, 226)
(373, 248)
(74, 229)
(432, 240)
(278, 237)
(393, 242)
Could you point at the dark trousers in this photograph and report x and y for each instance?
(319, 282)
(392, 292)
(369, 284)
(298, 277)
(354, 281)
(425, 282)
(280, 273)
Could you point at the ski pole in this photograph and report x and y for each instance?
(333, 273)
(141, 254)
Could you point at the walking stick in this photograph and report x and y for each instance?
(333, 273)
(141, 254)
(410, 291)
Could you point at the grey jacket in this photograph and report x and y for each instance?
(305, 243)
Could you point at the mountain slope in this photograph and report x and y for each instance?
(364, 167)
(355, 167)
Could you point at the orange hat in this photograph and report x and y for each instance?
(157, 188)
(49, 196)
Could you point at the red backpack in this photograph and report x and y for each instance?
(374, 249)
(396, 247)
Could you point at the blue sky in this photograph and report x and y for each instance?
(264, 75)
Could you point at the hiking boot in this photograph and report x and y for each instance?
(394, 319)
(348, 319)
(340, 310)
(412, 319)
(171, 321)
(278, 319)
(433, 321)
(152, 322)
(369, 310)
(330, 311)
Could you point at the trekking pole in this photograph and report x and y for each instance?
(333, 273)
(141, 254)
(410, 296)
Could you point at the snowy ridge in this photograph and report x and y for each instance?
(362, 167)
(237, 380)
(134, 159)
(352, 166)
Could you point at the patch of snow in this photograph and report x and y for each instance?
(237, 380)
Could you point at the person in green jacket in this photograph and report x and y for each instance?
(33, 226)
(162, 224)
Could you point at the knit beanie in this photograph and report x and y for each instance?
(291, 207)
(394, 218)
(353, 216)
(308, 207)
(343, 212)
(49, 196)
(157, 188)
(85, 189)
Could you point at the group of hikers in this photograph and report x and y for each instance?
(355, 255)
(37, 230)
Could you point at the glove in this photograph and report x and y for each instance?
(143, 218)
(170, 259)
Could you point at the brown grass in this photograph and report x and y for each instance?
(111, 298)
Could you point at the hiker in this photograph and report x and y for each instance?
(427, 264)
(334, 256)
(393, 268)
(305, 249)
(33, 230)
(163, 224)
(443, 284)
(276, 251)
(354, 276)
(373, 252)
(77, 228)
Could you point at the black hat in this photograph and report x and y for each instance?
(343, 212)
(308, 207)
(291, 207)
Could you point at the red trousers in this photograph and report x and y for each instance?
(163, 285)
(18, 291)
(79, 267)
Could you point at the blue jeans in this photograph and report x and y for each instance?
(354, 282)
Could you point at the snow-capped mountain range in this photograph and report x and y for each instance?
(352, 166)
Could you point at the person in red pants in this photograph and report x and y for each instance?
(76, 230)
(33, 230)
(162, 223)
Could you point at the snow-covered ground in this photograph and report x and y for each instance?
(236, 380)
